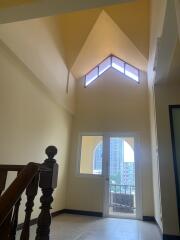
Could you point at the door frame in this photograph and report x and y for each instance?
(173, 143)
(138, 176)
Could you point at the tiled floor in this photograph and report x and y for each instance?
(75, 227)
(121, 215)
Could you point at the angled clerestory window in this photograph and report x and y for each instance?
(105, 65)
(116, 63)
(132, 72)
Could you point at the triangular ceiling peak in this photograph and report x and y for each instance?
(74, 29)
(134, 19)
(104, 39)
(131, 16)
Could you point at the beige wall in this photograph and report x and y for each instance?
(30, 121)
(38, 45)
(112, 103)
(166, 95)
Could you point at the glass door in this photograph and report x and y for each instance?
(121, 177)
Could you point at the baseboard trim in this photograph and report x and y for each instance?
(166, 236)
(149, 219)
(57, 213)
(84, 213)
(170, 237)
(63, 211)
(32, 222)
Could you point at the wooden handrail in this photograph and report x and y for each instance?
(15, 190)
(18, 168)
(11, 168)
(29, 178)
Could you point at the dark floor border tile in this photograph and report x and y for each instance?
(166, 236)
(32, 222)
(57, 213)
(170, 237)
(149, 219)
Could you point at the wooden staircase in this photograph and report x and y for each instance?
(29, 178)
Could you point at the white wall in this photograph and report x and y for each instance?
(112, 103)
(166, 95)
(30, 121)
(163, 26)
(158, 9)
(155, 158)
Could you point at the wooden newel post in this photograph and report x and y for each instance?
(48, 182)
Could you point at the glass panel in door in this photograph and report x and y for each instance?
(122, 189)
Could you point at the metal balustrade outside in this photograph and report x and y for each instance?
(122, 198)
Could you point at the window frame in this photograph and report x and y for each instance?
(111, 60)
(125, 64)
(138, 166)
(78, 158)
(94, 151)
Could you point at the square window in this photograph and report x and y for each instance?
(91, 155)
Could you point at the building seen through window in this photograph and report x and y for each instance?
(122, 165)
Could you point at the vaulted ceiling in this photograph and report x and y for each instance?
(104, 39)
(18, 10)
(12, 3)
(86, 37)
(52, 46)
(131, 17)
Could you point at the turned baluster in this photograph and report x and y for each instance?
(14, 221)
(48, 182)
(31, 192)
(5, 228)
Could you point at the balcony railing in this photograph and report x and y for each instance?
(122, 198)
